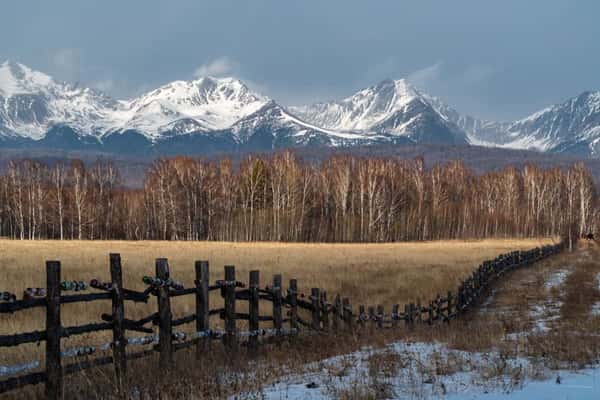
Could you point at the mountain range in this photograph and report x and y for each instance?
(223, 115)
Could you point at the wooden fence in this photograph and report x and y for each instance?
(303, 314)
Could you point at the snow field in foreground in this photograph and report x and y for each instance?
(431, 371)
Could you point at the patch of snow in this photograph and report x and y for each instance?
(538, 114)
(338, 134)
(557, 279)
(581, 385)
(543, 315)
(475, 141)
(431, 371)
(528, 142)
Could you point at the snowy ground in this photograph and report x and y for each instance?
(530, 308)
(431, 371)
(434, 371)
(547, 312)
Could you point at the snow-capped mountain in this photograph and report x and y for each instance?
(478, 131)
(223, 114)
(570, 127)
(272, 126)
(31, 102)
(392, 107)
(202, 105)
(215, 112)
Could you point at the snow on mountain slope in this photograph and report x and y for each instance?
(479, 132)
(32, 102)
(576, 122)
(206, 104)
(275, 127)
(392, 107)
(19, 79)
(33, 106)
(572, 127)
(363, 110)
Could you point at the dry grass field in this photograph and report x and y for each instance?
(366, 273)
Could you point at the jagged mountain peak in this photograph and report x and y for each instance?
(17, 69)
(400, 88)
(572, 126)
(206, 89)
(214, 103)
(392, 107)
(363, 110)
(16, 78)
(225, 109)
(210, 104)
(589, 100)
(574, 123)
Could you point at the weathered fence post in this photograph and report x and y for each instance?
(118, 314)
(348, 314)
(253, 311)
(165, 330)
(449, 306)
(430, 313)
(380, 316)
(337, 316)
(458, 302)
(324, 311)
(54, 375)
(362, 316)
(315, 297)
(293, 300)
(230, 339)
(277, 317)
(202, 306)
(395, 312)
(372, 319)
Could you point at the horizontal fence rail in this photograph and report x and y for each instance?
(291, 313)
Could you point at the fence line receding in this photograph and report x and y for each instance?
(292, 313)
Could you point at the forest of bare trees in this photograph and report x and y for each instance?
(280, 198)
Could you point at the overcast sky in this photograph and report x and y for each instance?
(493, 59)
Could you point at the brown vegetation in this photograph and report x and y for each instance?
(367, 273)
(544, 311)
(504, 324)
(385, 273)
(279, 198)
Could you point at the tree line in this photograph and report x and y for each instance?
(281, 198)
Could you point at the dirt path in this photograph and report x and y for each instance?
(549, 309)
(536, 336)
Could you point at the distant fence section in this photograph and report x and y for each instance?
(291, 314)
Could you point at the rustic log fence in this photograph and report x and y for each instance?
(309, 314)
